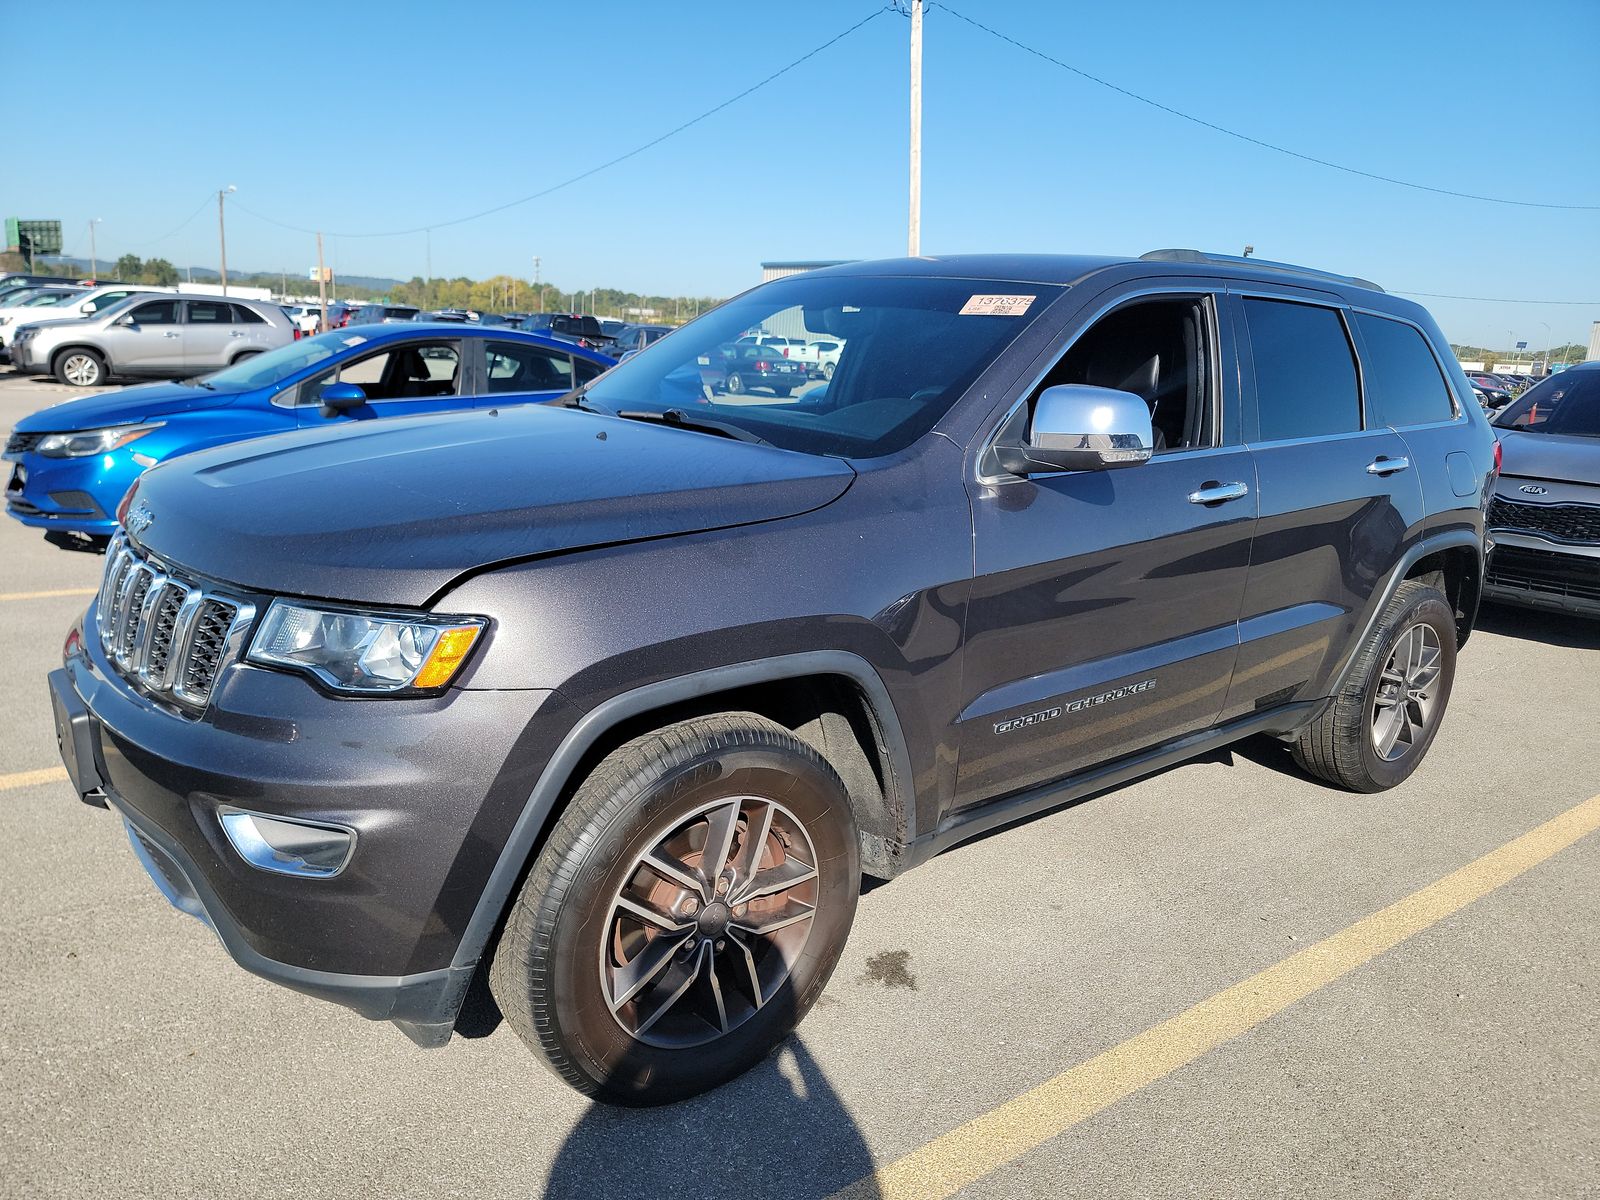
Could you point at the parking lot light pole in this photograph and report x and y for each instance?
(1547, 345)
(914, 230)
(222, 234)
(94, 257)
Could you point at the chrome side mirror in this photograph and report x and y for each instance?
(1076, 427)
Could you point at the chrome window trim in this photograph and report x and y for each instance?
(1135, 295)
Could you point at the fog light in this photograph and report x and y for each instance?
(288, 847)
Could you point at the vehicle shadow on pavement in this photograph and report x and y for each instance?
(779, 1132)
(1551, 628)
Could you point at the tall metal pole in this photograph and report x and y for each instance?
(539, 286)
(94, 258)
(427, 290)
(322, 288)
(914, 231)
(222, 235)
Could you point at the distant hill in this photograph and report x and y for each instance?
(80, 266)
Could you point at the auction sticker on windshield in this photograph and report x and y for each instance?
(996, 306)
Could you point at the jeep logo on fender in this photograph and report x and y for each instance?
(1072, 706)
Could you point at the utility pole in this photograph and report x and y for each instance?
(427, 290)
(94, 258)
(539, 286)
(222, 234)
(322, 288)
(914, 232)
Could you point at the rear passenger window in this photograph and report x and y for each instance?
(1404, 384)
(205, 312)
(247, 316)
(1305, 371)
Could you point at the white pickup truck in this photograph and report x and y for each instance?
(794, 349)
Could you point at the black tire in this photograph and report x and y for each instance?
(827, 370)
(78, 366)
(239, 358)
(734, 384)
(550, 969)
(1341, 746)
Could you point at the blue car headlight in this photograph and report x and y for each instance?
(85, 443)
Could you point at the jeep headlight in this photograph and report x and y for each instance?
(365, 653)
(85, 443)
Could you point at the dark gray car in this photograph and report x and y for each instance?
(614, 704)
(1545, 519)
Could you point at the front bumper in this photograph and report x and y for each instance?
(76, 495)
(26, 358)
(424, 784)
(1536, 572)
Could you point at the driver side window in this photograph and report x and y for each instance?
(415, 371)
(1160, 351)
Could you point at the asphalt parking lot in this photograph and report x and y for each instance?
(1178, 988)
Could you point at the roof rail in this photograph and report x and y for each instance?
(1259, 264)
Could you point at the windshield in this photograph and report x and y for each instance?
(1568, 403)
(264, 370)
(908, 349)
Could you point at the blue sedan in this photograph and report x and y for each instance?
(73, 462)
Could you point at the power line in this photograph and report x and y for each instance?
(1502, 299)
(203, 205)
(1254, 141)
(566, 183)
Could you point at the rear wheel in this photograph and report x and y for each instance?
(735, 383)
(686, 911)
(242, 357)
(81, 368)
(1379, 727)
(827, 370)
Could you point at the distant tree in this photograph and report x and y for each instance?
(159, 272)
(130, 268)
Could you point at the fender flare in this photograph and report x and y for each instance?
(1431, 544)
(540, 808)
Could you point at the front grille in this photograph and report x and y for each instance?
(1568, 522)
(168, 636)
(21, 443)
(1545, 573)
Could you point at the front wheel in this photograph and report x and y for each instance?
(1378, 729)
(686, 911)
(81, 368)
(735, 383)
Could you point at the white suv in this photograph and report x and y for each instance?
(93, 300)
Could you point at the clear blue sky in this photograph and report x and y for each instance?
(432, 117)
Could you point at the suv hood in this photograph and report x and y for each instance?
(390, 512)
(1549, 456)
(124, 406)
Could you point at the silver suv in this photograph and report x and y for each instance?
(161, 337)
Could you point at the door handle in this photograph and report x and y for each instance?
(1219, 493)
(1384, 465)
(169, 335)
(235, 333)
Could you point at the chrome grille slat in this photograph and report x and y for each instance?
(167, 635)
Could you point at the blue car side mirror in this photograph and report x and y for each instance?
(340, 397)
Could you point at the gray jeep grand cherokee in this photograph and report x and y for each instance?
(616, 702)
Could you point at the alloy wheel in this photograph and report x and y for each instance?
(708, 922)
(1407, 696)
(81, 370)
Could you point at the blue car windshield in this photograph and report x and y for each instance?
(907, 349)
(264, 370)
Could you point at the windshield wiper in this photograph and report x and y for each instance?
(679, 419)
(578, 398)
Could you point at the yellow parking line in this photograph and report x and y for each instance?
(969, 1152)
(22, 779)
(47, 595)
